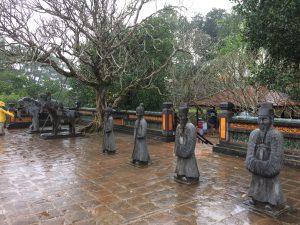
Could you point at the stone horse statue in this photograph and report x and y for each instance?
(31, 107)
(58, 114)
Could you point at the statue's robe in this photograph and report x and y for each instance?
(264, 160)
(185, 143)
(140, 151)
(108, 138)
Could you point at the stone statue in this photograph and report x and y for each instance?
(32, 107)
(185, 141)
(264, 160)
(140, 154)
(57, 113)
(108, 136)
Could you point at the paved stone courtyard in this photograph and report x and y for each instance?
(69, 182)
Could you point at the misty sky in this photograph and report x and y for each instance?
(192, 6)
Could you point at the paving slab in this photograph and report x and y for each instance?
(69, 181)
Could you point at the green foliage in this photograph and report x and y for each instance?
(230, 34)
(151, 98)
(182, 80)
(230, 25)
(151, 46)
(275, 27)
(197, 22)
(80, 92)
(230, 44)
(14, 85)
(11, 98)
(11, 81)
(278, 75)
(154, 42)
(212, 22)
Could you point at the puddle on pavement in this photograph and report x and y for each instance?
(72, 174)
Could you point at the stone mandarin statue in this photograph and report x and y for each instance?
(264, 160)
(185, 141)
(108, 137)
(140, 155)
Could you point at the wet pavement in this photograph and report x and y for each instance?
(53, 182)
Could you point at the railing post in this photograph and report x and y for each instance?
(224, 119)
(167, 119)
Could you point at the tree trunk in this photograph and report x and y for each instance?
(97, 123)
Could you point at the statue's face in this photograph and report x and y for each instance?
(107, 113)
(139, 115)
(139, 112)
(264, 123)
(20, 104)
(42, 100)
(182, 118)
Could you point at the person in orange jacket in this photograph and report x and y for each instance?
(3, 113)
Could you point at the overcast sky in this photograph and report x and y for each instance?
(193, 6)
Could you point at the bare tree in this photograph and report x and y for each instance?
(231, 73)
(88, 40)
(188, 81)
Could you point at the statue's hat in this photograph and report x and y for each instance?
(109, 109)
(140, 109)
(266, 109)
(183, 108)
